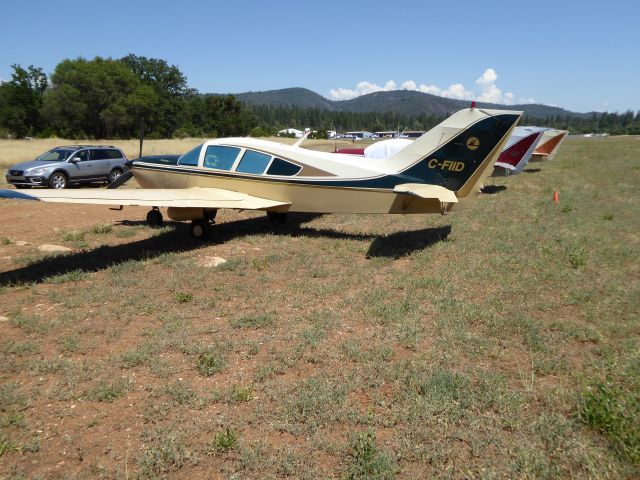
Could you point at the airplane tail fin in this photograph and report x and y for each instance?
(459, 153)
(548, 146)
(519, 149)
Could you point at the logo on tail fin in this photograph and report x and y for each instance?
(473, 143)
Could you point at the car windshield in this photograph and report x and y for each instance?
(57, 154)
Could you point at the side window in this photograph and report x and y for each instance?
(191, 157)
(253, 162)
(284, 168)
(220, 157)
(99, 154)
(82, 154)
(113, 153)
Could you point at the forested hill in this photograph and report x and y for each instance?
(402, 102)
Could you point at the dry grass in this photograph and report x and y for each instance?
(13, 151)
(500, 341)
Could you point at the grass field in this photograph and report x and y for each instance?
(500, 341)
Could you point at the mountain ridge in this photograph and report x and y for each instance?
(404, 102)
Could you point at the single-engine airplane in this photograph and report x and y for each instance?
(549, 145)
(446, 164)
(518, 151)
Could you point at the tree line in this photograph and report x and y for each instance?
(115, 98)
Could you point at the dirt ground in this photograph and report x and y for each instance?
(335, 346)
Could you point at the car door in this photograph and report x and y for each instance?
(79, 166)
(101, 162)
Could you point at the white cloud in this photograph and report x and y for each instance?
(486, 90)
(362, 88)
(409, 85)
(458, 92)
(488, 78)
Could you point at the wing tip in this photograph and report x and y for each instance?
(16, 195)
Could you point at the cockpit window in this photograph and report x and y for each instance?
(253, 162)
(220, 157)
(283, 168)
(191, 157)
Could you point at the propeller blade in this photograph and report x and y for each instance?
(121, 180)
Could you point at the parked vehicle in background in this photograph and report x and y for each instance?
(68, 165)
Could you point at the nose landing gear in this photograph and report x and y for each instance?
(154, 217)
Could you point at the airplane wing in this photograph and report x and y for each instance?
(422, 190)
(152, 197)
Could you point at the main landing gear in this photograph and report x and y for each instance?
(277, 217)
(201, 228)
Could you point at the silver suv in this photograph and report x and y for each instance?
(63, 166)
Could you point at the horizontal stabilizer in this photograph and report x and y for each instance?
(427, 191)
(151, 197)
(506, 166)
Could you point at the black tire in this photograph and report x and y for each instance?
(20, 187)
(200, 229)
(114, 175)
(59, 180)
(210, 214)
(277, 217)
(154, 218)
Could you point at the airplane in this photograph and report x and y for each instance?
(518, 151)
(446, 165)
(549, 145)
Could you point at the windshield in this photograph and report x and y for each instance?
(57, 154)
(191, 157)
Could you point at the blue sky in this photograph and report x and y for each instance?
(578, 55)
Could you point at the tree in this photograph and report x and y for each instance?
(92, 98)
(21, 100)
(170, 87)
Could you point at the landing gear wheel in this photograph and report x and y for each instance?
(154, 218)
(277, 217)
(58, 180)
(200, 229)
(210, 214)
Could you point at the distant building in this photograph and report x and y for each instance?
(413, 133)
(359, 134)
(291, 131)
(388, 134)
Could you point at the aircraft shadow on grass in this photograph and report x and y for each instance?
(176, 240)
(492, 189)
(532, 170)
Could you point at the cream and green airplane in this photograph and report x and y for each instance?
(431, 175)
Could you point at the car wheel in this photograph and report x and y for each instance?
(58, 180)
(114, 175)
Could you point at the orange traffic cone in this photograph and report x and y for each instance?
(556, 198)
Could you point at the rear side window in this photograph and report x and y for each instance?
(99, 154)
(284, 168)
(220, 157)
(191, 157)
(113, 153)
(253, 162)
